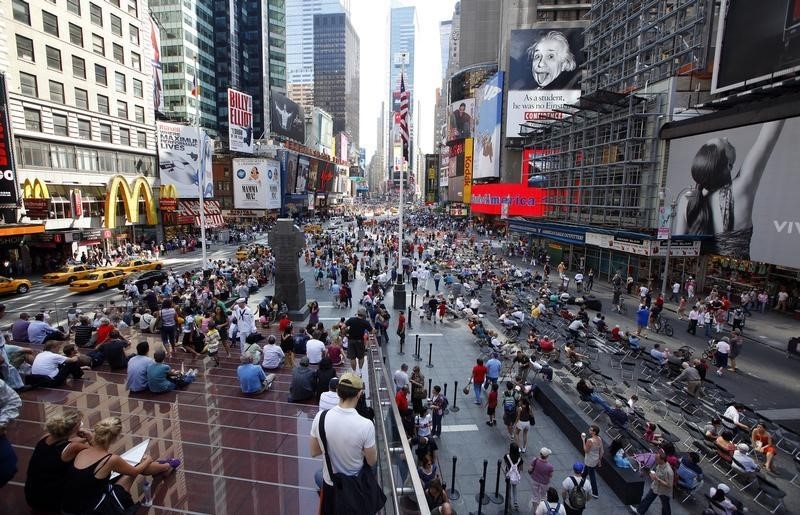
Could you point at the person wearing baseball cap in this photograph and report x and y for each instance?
(349, 436)
(573, 483)
(541, 471)
(357, 326)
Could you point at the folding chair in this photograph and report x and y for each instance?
(738, 472)
(796, 461)
(689, 491)
(769, 489)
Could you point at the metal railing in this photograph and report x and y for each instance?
(397, 472)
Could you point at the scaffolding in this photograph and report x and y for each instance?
(598, 165)
(630, 43)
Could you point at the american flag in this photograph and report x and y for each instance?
(195, 87)
(404, 116)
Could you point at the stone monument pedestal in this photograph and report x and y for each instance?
(399, 292)
(287, 241)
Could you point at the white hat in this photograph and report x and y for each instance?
(725, 488)
(545, 452)
(241, 299)
(743, 447)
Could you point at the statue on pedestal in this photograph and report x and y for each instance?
(287, 241)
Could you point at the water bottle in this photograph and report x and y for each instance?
(147, 494)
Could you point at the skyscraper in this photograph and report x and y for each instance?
(336, 71)
(300, 45)
(445, 30)
(187, 55)
(250, 50)
(403, 30)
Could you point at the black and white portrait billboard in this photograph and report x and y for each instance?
(286, 118)
(740, 187)
(757, 42)
(544, 72)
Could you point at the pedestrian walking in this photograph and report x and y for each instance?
(592, 455)
(513, 462)
(401, 328)
(676, 290)
(438, 405)
(575, 490)
(590, 279)
(661, 478)
(694, 319)
(541, 472)
(477, 379)
(721, 355)
(736, 342)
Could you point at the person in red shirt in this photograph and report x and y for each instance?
(284, 323)
(478, 378)
(492, 406)
(103, 331)
(406, 415)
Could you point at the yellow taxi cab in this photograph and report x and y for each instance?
(137, 265)
(8, 285)
(242, 253)
(98, 281)
(67, 274)
(314, 228)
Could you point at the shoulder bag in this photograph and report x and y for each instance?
(352, 494)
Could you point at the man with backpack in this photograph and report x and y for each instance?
(509, 403)
(575, 490)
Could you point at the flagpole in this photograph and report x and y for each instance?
(200, 168)
(399, 287)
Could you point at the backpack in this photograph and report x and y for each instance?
(445, 403)
(577, 495)
(509, 404)
(513, 471)
(552, 510)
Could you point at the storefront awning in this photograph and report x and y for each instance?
(211, 208)
(20, 229)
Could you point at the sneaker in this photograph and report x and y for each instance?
(488, 422)
(719, 373)
(172, 462)
(523, 450)
(595, 496)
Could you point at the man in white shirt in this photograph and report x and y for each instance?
(575, 327)
(676, 290)
(245, 320)
(330, 399)
(315, 349)
(273, 355)
(643, 292)
(721, 356)
(147, 322)
(731, 420)
(50, 368)
(742, 461)
(423, 422)
(401, 378)
(350, 438)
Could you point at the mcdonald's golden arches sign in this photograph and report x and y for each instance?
(118, 187)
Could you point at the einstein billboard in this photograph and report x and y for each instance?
(544, 72)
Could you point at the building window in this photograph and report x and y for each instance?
(125, 137)
(74, 6)
(96, 14)
(119, 79)
(84, 129)
(27, 84)
(78, 67)
(56, 92)
(141, 139)
(53, 58)
(105, 132)
(122, 109)
(82, 99)
(62, 156)
(50, 23)
(133, 8)
(34, 154)
(75, 35)
(33, 120)
(115, 3)
(60, 125)
(100, 75)
(116, 25)
(139, 113)
(25, 49)
(98, 45)
(22, 12)
(86, 158)
(138, 90)
(106, 160)
(134, 34)
(136, 61)
(119, 54)
(102, 104)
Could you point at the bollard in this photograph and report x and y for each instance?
(430, 381)
(417, 352)
(455, 408)
(447, 410)
(481, 498)
(508, 498)
(430, 355)
(454, 494)
(496, 498)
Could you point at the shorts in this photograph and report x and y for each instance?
(509, 418)
(356, 350)
(523, 425)
(490, 410)
(721, 359)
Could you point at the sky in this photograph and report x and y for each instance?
(371, 20)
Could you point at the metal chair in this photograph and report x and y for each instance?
(767, 488)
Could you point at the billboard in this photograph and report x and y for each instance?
(544, 74)
(757, 42)
(286, 118)
(326, 173)
(184, 155)
(256, 184)
(240, 121)
(468, 160)
(431, 183)
(488, 111)
(510, 199)
(155, 61)
(9, 198)
(303, 165)
(461, 119)
(455, 171)
(288, 161)
(748, 183)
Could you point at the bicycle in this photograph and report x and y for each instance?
(662, 323)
